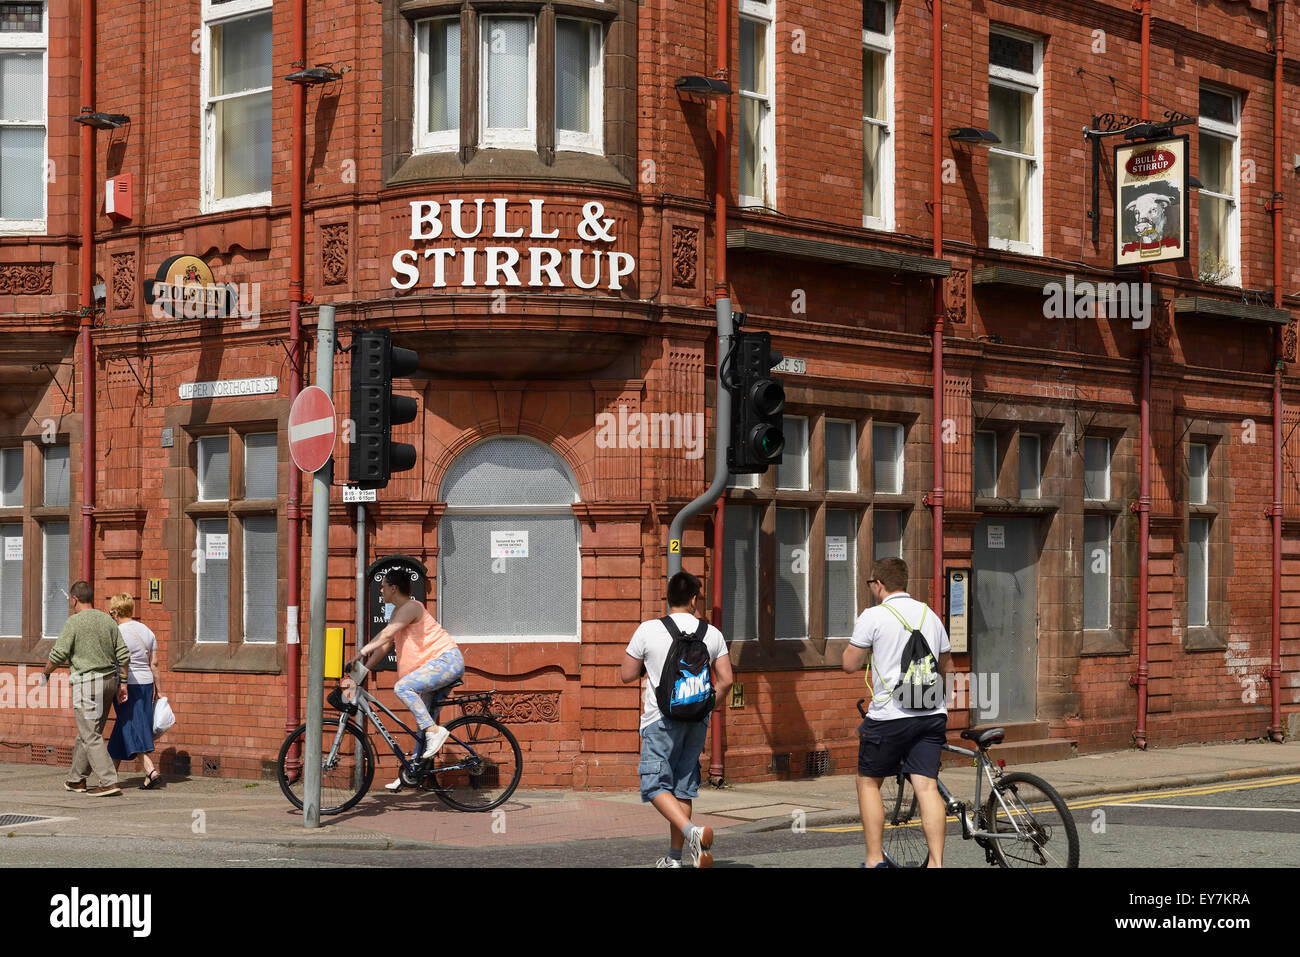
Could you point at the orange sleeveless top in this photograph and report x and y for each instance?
(420, 642)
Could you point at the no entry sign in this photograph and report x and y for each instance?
(311, 429)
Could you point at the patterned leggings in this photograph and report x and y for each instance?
(430, 676)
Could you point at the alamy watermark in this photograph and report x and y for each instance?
(30, 689)
(1079, 300)
(189, 300)
(652, 430)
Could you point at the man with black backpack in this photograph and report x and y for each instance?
(687, 670)
(907, 648)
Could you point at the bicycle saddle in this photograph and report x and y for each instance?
(984, 736)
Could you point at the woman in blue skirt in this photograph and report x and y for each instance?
(133, 729)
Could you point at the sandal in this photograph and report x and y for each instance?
(151, 780)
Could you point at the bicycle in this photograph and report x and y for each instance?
(477, 769)
(1023, 823)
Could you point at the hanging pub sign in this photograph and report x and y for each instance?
(1151, 196)
(460, 248)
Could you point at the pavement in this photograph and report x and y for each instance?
(255, 812)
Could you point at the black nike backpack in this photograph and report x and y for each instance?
(685, 690)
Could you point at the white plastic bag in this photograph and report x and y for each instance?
(163, 718)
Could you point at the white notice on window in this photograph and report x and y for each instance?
(218, 547)
(997, 536)
(13, 548)
(837, 548)
(509, 545)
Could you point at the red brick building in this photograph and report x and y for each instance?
(520, 193)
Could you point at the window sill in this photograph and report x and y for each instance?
(1107, 506)
(22, 229)
(234, 203)
(492, 164)
(219, 656)
(1097, 641)
(1203, 511)
(1204, 638)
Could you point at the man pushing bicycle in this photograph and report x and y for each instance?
(896, 731)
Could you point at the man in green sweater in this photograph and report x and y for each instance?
(91, 645)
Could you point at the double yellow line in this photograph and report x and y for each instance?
(1112, 799)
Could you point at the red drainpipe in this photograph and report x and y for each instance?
(721, 187)
(88, 193)
(936, 198)
(1275, 207)
(293, 514)
(1144, 499)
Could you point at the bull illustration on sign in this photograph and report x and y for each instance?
(1152, 216)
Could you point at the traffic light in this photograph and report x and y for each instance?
(758, 401)
(375, 410)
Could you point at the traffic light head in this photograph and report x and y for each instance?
(758, 401)
(375, 410)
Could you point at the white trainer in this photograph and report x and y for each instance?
(667, 862)
(697, 846)
(433, 742)
(394, 786)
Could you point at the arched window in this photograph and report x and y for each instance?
(508, 545)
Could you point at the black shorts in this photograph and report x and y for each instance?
(915, 743)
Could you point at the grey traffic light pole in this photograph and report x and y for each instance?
(320, 537)
(721, 440)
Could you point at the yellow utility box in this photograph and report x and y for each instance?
(333, 652)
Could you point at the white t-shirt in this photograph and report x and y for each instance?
(650, 643)
(878, 629)
(141, 643)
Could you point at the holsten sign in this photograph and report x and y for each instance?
(541, 262)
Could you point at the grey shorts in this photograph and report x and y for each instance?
(670, 758)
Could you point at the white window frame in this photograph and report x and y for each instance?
(531, 511)
(426, 140)
(33, 43)
(1205, 577)
(765, 14)
(243, 569)
(200, 549)
(1232, 132)
(1037, 441)
(22, 479)
(883, 43)
(17, 522)
(199, 470)
(853, 455)
(803, 477)
(1031, 83)
(45, 570)
(593, 142)
(1203, 478)
(1109, 454)
(807, 511)
(502, 137)
(974, 476)
(1087, 559)
(216, 15)
(898, 459)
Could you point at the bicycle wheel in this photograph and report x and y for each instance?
(1029, 805)
(346, 770)
(904, 844)
(479, 766)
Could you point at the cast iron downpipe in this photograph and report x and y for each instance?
(1275, 207)
(1144, 498)
(88, 193)
(936, 198)
(293, 513)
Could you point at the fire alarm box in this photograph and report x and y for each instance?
(118, 197)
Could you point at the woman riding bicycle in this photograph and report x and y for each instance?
(427, 657)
